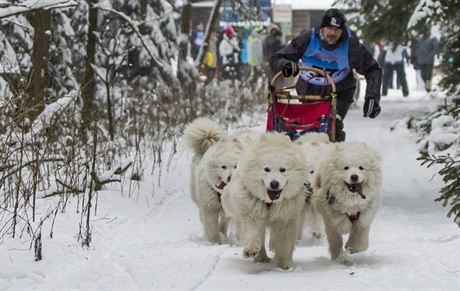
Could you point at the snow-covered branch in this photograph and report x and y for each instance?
(135, 26)
(30, 5)
(46, 116)
(425, 8)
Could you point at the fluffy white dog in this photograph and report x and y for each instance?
(267, 191)
(313, 146)
(214, 161)
(347, 186)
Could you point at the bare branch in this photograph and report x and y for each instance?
(120, 171)
(28, 164)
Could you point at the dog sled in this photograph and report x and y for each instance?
(297, 114)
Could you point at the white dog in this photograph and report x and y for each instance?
(267, 191)
(313, 146)
(346, 186)
(215, 158)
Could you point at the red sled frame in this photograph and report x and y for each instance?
(302, 113)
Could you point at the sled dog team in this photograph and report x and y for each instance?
(264, 181)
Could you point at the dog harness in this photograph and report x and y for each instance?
(331, 200)
(353, 217)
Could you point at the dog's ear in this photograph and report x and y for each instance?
(376, 154)
(237, 143)
(262, 137)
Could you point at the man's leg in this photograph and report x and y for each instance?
(429, 75)
(424, 72)
(390, 75)
(387, 74)
(344, 100)
(401, 74)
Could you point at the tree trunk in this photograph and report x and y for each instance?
(89, 86)
(185, 71)
(109, 77)
(41, 21)
(134, 51)
(186, 19)
(144, 5)
(211, 25)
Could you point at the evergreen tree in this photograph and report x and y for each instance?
(17, 43)
(62, 55)
(450, 172)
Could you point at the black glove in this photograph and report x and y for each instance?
(290, 69)
(371, 108)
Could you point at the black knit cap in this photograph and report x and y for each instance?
(333, 17)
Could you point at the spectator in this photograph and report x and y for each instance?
(394, 61)
(229, 51)
(426, 48)
(196, 39)
(256, 53)
(273, 42)
(210, 58)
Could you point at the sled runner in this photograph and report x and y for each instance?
(298, 114)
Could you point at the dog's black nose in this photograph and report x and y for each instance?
(274, 185)
(229, 178)
(354, 178)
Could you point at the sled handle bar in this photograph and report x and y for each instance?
(311, 69)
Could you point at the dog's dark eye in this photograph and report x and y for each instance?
(267, 170)
(346, 168)
(234, 167)
(282, 170)
(311, 172)
(224, 167)
(361, 168)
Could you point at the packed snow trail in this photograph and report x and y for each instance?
(153, 240)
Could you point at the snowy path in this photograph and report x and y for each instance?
(157, 244)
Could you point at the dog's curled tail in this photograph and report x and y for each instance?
(200, 134)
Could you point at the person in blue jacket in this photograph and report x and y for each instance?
(334, 48)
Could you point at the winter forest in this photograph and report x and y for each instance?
(95, 174)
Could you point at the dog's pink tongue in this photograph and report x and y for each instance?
(273, 194)
(220, 185)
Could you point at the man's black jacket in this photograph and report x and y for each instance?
(359, 59)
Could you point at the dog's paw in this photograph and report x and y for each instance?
(354, 247)
(284, 264)
(262, 259)
(223, 238)
(250, 252)
(343, 259)
(215, 240)
(354, 250)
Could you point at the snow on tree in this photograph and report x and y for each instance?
(145, 90)
(8, 58)
(21, 7)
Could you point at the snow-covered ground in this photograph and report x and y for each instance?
(153, 239)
